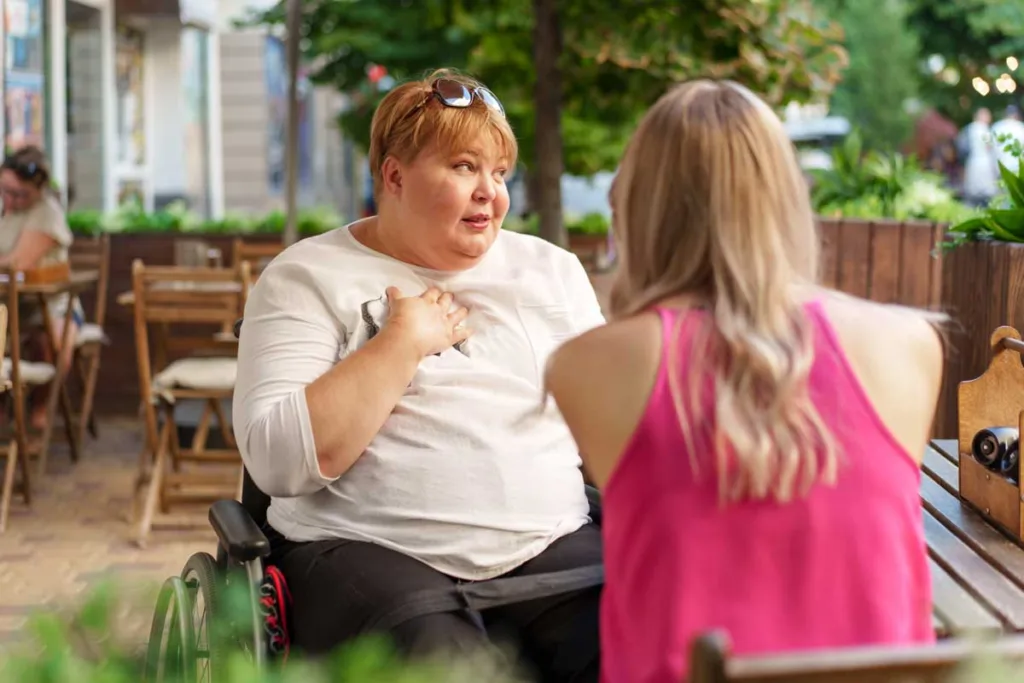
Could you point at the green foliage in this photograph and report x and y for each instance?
(1003, 219)
(89, 644)
(85, 645)
(528, 225)
(878, 42)
(870, 184)
(588, 224)
(617, 58)
(85, 222)
(132, 218)
(973, 37)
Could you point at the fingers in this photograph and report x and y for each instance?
(445, 301)
(432, 294)
(392, 293)
(461, 334)
(458, 315)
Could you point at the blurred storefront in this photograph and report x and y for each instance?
(136, 97)
(254, 114)
(168, 114)
(24, 77)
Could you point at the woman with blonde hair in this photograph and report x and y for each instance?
(757, 438)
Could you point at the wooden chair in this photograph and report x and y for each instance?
(192, 299)
(10, 451)
(258, 254)
(946, 662)
(18, 376)
(91, 254)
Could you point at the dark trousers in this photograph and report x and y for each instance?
(339, 586)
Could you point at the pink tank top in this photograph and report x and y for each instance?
(844, 566)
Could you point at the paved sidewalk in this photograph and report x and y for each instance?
(77, 532)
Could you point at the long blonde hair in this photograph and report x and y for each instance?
(710, 202)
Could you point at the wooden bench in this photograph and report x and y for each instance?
(947, 662)
(977, 570)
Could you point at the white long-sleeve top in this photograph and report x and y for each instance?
(466, 475)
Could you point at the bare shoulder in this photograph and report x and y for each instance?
(601, 381)
(605, 354)
(889, 329)
(897, 355)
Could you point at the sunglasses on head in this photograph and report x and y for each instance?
(459, 96)
(25, 171)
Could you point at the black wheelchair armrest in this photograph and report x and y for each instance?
(237, 533)
(594, 498)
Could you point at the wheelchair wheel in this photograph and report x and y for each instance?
(205, 584)
(170, 654)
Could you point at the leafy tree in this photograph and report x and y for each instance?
(878, 42)
(973, 38)
(602, 63)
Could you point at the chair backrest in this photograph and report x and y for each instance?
(255, 502)
(3, 330)
(189, 297)
(710, 662)
(93, 253)
(12, 330)
(258, 254)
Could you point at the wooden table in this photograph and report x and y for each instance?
(128, 298)
(78, 282)
(977, 570)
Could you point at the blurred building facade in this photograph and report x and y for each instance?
(124, 95)
(254, 109)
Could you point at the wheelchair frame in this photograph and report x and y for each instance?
(176, 645)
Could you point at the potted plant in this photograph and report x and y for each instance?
(882, 220)
(588, 239)
(982, 284)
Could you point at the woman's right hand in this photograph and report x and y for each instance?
(426, 320)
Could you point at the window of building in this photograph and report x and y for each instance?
(24, 73)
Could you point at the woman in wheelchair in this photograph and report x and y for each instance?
(389, 379)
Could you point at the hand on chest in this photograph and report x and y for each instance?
(514, 328)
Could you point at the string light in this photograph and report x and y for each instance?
(1006, 84)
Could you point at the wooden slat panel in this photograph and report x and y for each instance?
(992, 588)
(915, 266)
(884, 270)
(971, 528)
(942, 663)
(854, 255)
(190, 315)
(941, 471)
(958, 611)
(948, 448)
(829, 231)
(935, 276)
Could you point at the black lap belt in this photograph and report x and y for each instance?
(484, 595)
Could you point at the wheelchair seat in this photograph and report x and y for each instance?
(242, 551)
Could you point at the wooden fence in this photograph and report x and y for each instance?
(885, 261)
(881, 260)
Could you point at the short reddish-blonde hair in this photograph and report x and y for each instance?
(399, 131)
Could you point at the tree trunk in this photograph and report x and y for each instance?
(547, 52)
(294, 24)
